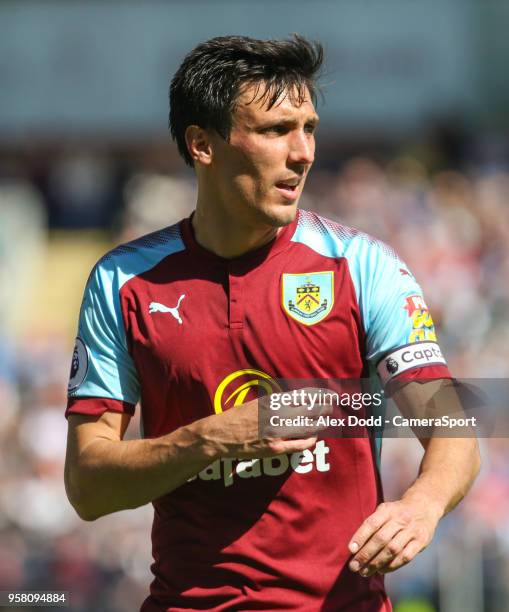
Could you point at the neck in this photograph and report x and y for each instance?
(218, 232)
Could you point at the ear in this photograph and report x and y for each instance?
(198, 144)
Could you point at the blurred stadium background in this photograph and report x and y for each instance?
(412, 148)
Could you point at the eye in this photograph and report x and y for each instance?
(310, 128)
(278, 129)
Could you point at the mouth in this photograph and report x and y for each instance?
(289, 189)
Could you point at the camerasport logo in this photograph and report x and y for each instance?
(408, 357)
(423, 328)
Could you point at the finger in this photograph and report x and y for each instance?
(386, 555)
(377, 543)
(411, 550)
(368, 528)
(280, 447)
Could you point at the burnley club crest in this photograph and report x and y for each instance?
(308, 298)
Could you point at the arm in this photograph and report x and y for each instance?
(104, 473)
(397, 531)
(450, 465)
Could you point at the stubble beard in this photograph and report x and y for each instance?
(284, 218)
(278, 214)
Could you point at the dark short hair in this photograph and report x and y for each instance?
(207, 84)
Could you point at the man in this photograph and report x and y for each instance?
(192, 319)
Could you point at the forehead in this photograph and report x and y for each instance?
(254, 100)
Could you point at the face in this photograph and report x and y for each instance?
(260, 173)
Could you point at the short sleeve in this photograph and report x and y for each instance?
(103, 375)
(400, 334)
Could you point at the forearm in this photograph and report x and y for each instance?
(104, 474)
(111, 475)
(397, 531)
(449, 465)
(447, 471)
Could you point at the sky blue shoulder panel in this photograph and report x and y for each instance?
(390, 301)
(102, 365)
(386, 291)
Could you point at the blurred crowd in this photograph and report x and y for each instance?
(450, 225)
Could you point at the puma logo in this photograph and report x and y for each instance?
(156, 307)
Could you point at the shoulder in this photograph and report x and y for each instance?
(332, 239)
(130, 259)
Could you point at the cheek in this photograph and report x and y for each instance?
(258, 156)
(241, 163)
(253, 172)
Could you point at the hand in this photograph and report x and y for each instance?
(236, 432)
(392, 536)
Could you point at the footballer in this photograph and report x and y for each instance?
(189, 322)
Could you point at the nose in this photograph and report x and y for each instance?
(302, 148)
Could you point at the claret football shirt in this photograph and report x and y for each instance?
(186, 334)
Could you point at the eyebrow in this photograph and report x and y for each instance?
(314, 120)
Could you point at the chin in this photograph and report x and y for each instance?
(279, 215)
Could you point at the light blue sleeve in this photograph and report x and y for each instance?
(398, 314)
(101, 364)
(392, 305)
(399, 330)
